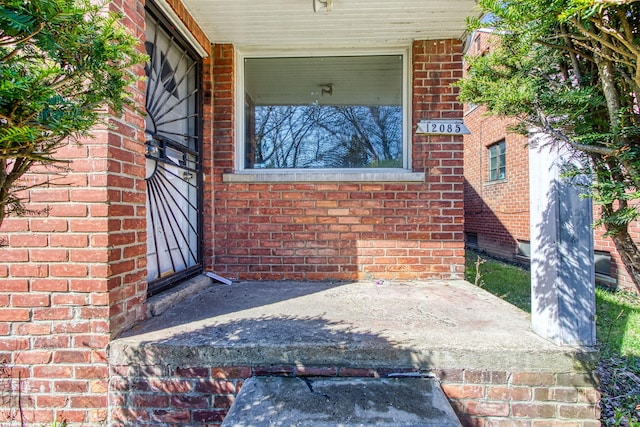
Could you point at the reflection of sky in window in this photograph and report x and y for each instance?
(327, 136)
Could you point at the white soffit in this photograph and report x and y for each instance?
(283, 24)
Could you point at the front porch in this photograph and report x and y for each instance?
(186, 364)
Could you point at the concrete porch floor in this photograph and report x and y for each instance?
(424, 325)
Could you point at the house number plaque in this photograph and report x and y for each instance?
(442, 127)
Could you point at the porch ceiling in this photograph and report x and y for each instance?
(282, 24)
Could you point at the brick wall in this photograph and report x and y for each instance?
(73, 276)
(498, 211)
(199, 396)
(325, 231)
(618, 270)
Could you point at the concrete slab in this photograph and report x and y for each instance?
(424, 325)
(340, 402)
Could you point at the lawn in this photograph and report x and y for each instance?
(617, 332)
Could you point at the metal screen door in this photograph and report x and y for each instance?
(174, 190)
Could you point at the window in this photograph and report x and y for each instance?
(602, 261)
(471, 239)
(497, 161)
(524, 249)
(324, 112)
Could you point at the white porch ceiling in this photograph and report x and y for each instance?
(282, 24)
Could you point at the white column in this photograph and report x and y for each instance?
(562, 263)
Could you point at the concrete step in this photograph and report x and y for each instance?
(340, 402)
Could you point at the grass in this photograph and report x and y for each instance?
(618, 322)
(509, 282)
(617, 332)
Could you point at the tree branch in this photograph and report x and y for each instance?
(18, 42)
(572, 54)
(603, 55)
(605, 43)
(545, 127)
(633, 51)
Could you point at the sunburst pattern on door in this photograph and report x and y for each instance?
(173, 159)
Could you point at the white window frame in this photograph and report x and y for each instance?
(496, 146)
(327, 174)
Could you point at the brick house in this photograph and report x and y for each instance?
(199, 185)
(496, 193)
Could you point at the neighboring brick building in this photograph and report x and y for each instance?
(497, 206)
(496, 210)
(148, 204)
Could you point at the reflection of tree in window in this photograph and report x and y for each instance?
(327, 137)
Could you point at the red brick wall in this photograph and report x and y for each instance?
(325, 231)
(74, 276)
(74, 279)
(498, 212)
(202, 396)
(618, 269)
(179, 8)
(207, 158)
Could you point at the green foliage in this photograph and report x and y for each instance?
(61, 63)
(618, 313)
(617, 331)
(568, 69)
(618, 321)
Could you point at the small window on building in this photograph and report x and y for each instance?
(471, 239)
(602, 261)
(524, 249)
(497, 161)
(324, 112)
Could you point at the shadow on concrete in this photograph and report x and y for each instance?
(441, 324)
(272, 340)
(219, 299)
(346, 402)
(162, 370)
(438, 328)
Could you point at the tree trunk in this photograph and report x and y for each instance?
(606, 71)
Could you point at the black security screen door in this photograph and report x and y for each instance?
(173, 128)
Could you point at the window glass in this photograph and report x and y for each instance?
(323, 112)
(524, 248)
(471, 239)
(602, 262)
(497, 161)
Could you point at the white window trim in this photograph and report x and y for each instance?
(496, 145)
(171, 16)
(404, 174)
